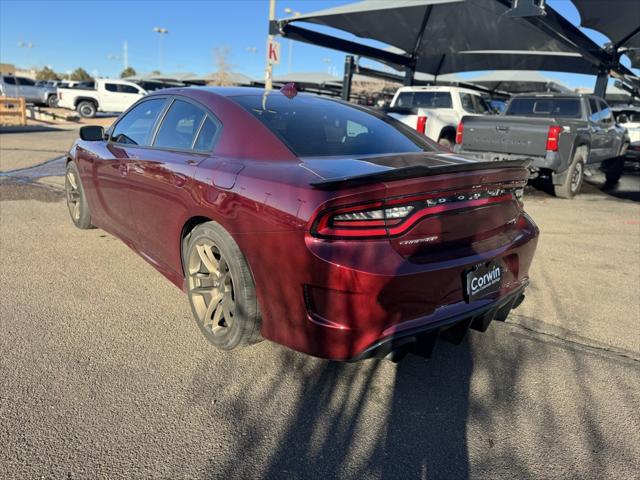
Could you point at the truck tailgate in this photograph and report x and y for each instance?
(514, 135)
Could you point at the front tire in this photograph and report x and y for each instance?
(221, 288)
(575, 177)
(76, 199)
(87, 109)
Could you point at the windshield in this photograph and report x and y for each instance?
(545, 107)
(424, 100)
(312, 126)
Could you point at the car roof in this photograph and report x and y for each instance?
(223, 91)
(439, 88)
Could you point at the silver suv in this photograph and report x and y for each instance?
(12, 86)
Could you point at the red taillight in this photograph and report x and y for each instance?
(395, 217)
(459, 132)
(552, 138)
(421, 124)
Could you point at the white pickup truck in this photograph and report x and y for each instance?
(103, 95)
(437, 110)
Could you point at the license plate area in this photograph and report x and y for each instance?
(482, 280)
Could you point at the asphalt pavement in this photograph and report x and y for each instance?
(104, 374)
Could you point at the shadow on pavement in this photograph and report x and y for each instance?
(29, 129)
(628, 188)
(333, 428)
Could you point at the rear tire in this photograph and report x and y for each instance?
(87, 109)
(221, 288)
(446, 142)
(613, 169)
(52, 101)
(76, 200)
(575, 177)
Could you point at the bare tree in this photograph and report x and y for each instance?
(223, 68)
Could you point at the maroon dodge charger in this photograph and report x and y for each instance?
(323, 226)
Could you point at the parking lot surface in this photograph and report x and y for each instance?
(104, 374)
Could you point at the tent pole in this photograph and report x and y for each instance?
(347, 77)
(409, 74)
(602, 79)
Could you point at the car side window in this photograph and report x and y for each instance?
(136, 127)
(127, 89)
(207, 136)
(27, 82)
(481, 105)
(111, 87)
(179, 126)
(595, 112)
(9, 80)
(467, 103)
(605, 112)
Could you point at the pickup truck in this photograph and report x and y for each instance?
(629, 117)
(105, 96)
(12, 86)
(563, 134)
(436, 110)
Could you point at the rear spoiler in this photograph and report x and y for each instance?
(415, 171)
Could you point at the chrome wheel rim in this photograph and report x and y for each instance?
(211, 288)
(73, 195)
(576, 177)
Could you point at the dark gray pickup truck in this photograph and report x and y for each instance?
(562, 133)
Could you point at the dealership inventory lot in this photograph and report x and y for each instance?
(105, 374)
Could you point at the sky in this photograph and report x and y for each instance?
(66, 34)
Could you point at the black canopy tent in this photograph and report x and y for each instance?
(519, 81)
(488, 34)
(617, 19)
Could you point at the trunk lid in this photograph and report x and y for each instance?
(456, 207)
(501, 134)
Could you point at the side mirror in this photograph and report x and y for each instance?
(92, 133)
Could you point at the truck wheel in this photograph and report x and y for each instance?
(446, 142)
(52, 101)
(575, 176)
(87, 109)
(613, 169)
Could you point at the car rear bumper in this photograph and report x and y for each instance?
(369, 302)
(421, 340)
(550, 161)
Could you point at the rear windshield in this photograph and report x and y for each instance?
(424, 100)
(311, 126)
(545, 107)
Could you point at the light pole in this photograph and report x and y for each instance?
(28, 46)
(162, 32)
(327, 60)
(289, 11)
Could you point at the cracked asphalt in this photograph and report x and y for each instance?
(103, 373)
